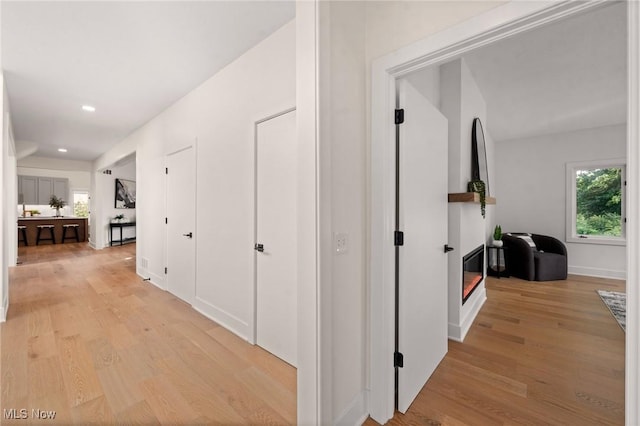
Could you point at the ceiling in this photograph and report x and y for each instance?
(566, 76)
(129, 60)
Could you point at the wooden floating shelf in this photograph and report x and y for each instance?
(469, 197)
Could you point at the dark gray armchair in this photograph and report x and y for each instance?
(547, 261)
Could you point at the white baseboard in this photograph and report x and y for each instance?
(356, 412)
(458, 332)
(598, 272)
(4, 309)
(225, 319)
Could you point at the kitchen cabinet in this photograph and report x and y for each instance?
(28, 188)
(45, 189)
(61, 188)
(37, 190)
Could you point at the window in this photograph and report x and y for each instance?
(596, 202)
(81, 203)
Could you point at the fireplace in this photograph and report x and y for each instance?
(472, 272)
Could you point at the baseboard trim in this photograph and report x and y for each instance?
(4, 309)
(458, 332)
(225, 319)
(356, 412)
(598, 272)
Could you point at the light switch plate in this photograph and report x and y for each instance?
(340, 242)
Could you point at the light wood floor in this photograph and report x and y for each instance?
(538, 353)
(87, 338)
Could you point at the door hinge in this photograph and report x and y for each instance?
(398, 359)
(398, 238)
(399, 118)
(165, 270)
(166, 220)
(166, 171)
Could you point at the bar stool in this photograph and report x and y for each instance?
(23, 231)
(69, 227)
(52, 236)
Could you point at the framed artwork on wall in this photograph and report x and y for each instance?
(125, 194)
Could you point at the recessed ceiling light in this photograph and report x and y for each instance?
(62, 149)
(88, 108)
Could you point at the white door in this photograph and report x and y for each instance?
(422, 302)
(181, 224)
(276, 258)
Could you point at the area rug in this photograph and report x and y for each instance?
(617, 304)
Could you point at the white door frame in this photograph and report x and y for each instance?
(499, 23)
(193, 145)
(253, 316)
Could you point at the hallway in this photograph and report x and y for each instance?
(87, 338)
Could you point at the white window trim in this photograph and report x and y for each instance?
(571, 235)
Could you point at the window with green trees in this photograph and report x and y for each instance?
(597, 201)
(81, 203)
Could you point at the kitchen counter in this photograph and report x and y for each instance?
(50, 218)
(32, 231)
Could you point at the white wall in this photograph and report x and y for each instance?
(308, 379)
(8, 183)
(395, 24)
(219, 114)
(427, 82)
(225, 108)
(461, 102)
(342, 205)
(4, 287)
(531, 178)
(37, 162)
(11, 184)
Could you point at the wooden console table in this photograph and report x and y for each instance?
(121, 225)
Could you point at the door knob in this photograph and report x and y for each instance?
(258, 247)
(189, 235)
(447, 249)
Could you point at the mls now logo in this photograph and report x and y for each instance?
(15, 414)
(21, 414)
(42, 414)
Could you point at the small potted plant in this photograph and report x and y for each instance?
(119, 217)
(497, 236)
(57, 203)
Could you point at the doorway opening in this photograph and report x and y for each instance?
(436, 51)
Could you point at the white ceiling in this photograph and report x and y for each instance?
(566, 76)
(130, 60)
